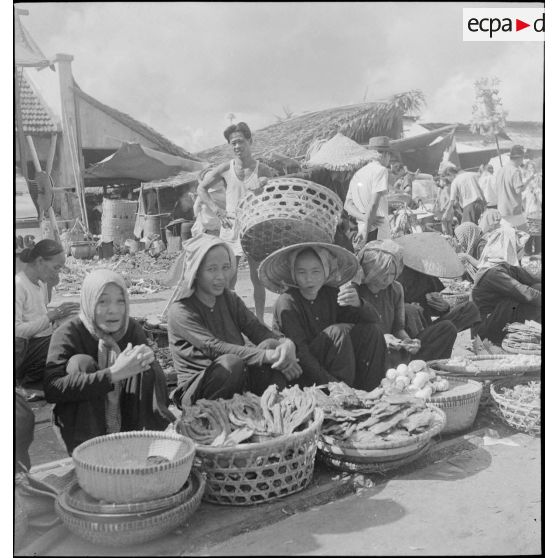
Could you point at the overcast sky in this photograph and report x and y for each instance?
(181, 67)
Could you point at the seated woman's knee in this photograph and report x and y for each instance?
(337, 332)
(80, 364)
(229, 365)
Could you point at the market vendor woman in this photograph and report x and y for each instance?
(101, 375)
(337, 336)
(33, 321)
(242, 174)
(382, 262)
(207, 322)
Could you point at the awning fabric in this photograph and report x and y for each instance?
(133, 160)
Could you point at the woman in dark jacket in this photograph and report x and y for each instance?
(100, 373)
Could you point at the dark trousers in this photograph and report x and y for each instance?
(506, 312)
(354, 354)
(228, 375)
(30, 360)
(24, 426)
(463, 316)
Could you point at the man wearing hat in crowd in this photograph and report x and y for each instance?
(366, 198)
(466, 192)
(509, 187)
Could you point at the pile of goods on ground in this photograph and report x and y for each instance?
(415, 379)
(523, 338)
(248, 417)
(357, 416)
(455, 286)
(143, 273)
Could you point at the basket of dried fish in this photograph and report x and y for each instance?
(242, 471)
(519, 403)
(523, 338)
(372, 427)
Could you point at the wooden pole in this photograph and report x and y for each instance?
(498, 149)
(51, 153)
(19, 122)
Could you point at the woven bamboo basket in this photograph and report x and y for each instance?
(249, 474)
(349, 465)
(286, 211)
(518, 351)
(83, 249)
(382, 451)
(488, 372)
(138, 531)
(460, 403)
(521, 416)
(118, 220)
(114, 468)
(453, 299)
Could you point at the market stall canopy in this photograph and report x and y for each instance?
(133, 160)
(181, 179)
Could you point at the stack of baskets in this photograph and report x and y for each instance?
(488, 369)
(381, 456)
(284, 212)
(118, 220)
(523, 416)
(252, 473)
(131, 487)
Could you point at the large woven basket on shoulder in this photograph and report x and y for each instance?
(114, 532)
(521, 416)
(252, 473)
(287, 211)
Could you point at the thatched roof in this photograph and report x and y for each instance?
(358, 122)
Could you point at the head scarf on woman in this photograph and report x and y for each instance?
(108, 349)
(384, 258)
(468, 235)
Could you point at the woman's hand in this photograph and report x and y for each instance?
(131, 361)
(436, 302)
(348, 296)
(391, 341)
(64, 310)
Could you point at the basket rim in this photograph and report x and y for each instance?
(277, 441)
(514, 351)
(427, 435)
(149, 469)
(509, 370)
(463, 396)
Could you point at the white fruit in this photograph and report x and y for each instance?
(391, 374)
(402, 370)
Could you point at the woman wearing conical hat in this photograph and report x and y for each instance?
(207, 325)
(382, 262)
(336, 334)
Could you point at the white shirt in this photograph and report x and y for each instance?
(465, 189)
(31, 301)
(370, 179)
(487, 183)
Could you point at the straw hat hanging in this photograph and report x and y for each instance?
(430, 253)
(275, 270)
(340, 154)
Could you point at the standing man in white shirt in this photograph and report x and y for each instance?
(466, 192)
(366, 198)
(487, 183)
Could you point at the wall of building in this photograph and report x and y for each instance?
(101, 131)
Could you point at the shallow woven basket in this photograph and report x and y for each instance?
(126, 533)
(515, 351)
(382, 451)
(114, 468)
(287, 211)
(346, 464)
(249, 474)
(461, 410)
(488, 373)
(521, 416)
(453, 299)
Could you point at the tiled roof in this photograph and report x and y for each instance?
(147, 132)
(37, 116)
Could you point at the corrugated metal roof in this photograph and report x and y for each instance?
(36, 114)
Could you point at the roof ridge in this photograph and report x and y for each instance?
(143, 129)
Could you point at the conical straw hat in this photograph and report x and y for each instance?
(430, 253)
(275, 270)
(341, 154)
